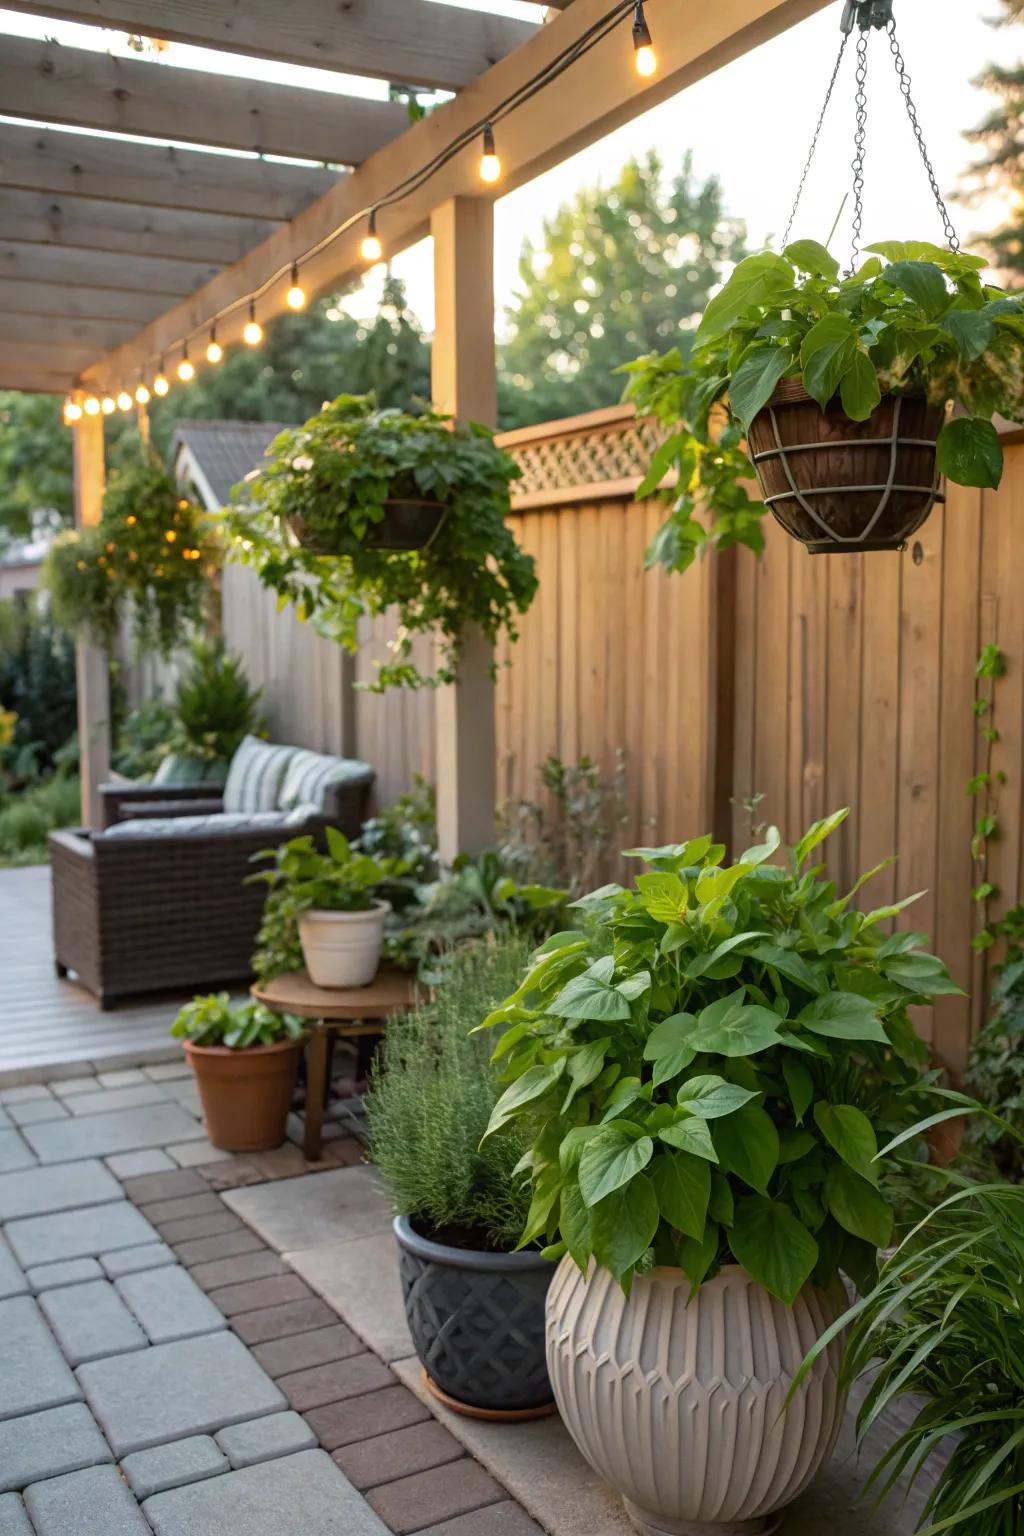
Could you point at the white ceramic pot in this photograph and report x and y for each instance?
(342, 949)
(680, 1407)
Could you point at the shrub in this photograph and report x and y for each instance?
(429, 1104)
(37, 682)
(215, 706)
(144, 739)
(995, 1070)
(27, 816)
(213, 1019)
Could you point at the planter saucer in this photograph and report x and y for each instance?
(490, 1415)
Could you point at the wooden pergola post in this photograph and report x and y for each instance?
(92, 667)
(464, 383)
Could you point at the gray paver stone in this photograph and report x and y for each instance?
(14, 1154)
(108, 1100)
(191, 1387)
(132, 1165)
(76, 1085)
(281, 1434)
(48, 1444)
(12, 1281)
(295, 1213)
(165, 1185)
(78, 1234)
(22, 1093)
(126, 1130)
(169, 1304)
(84, 1504)
(168, 1071)
(13, 1519)
(128, 1261)
(91, 1321)
(197, 1153)
(33, 1373)
(5, 1120)
(34, 1111)
(122, 1078)
(46, 1277)
(263, 1500)
(169, 1466)
(40, 1191)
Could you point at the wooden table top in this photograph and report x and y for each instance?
(389, 992)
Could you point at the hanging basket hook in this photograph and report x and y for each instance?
(866, 14)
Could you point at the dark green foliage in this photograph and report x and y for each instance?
(995, 1070)
(215, 1020)
(407, 831)
(35, 465)
(27, 815)
(214, 705)
(565, 839)
(144, 739)
(429, 1105)
(37, 682)
(999, 167)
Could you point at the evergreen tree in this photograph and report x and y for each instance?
(35, 466)
(621, 270)
(1000, 167)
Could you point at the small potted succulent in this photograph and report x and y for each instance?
(841, 387)
(707, 1066)
(360, 509)
(475, 1305)
(330, 896)
(245, 1059)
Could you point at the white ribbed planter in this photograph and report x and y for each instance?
(342, 949)
(677, 1406)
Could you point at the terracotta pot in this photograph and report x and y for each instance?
(342, 949)
(840, 485)
(246, 1095)
(678, 1403)
(407, 524)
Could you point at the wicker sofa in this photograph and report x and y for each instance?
(157, 900)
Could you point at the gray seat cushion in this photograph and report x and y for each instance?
(222, 824)
(256, 775)
(177, 770)
(310, 775)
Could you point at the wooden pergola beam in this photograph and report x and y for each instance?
(21, 326)
(592, 98)
(52, 84)
(68, 267)
(60, 306)
(402, 40)
(46, 355)
(40, 218)
(33, 381)
(192, 180)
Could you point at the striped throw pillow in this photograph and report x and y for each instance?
(255, 777)
(310, 774)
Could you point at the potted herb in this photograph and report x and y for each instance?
(706, 1067)
(475, 1306)
(361, 509)
(841, 388)
(330, 897)
(244, 1058)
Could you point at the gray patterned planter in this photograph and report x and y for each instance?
(477, 1321)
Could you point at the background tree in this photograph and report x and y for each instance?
(1000, 167)
(35, 466)
(621, 270)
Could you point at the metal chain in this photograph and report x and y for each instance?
(814, 141)
(904, 79)
(859, 142)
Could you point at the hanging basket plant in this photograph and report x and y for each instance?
(149, 560)
(361, 509)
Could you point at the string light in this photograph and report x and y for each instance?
(295, 298)
(108, 405)
(252, 335)
(186, 369)
(124, 401)
(142, 395)
(72, 410)
(643, 45)
(160, 384)
(490, 165)
(371, 248)
(91, 405)
(214, 350)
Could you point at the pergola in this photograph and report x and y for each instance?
(113, 253)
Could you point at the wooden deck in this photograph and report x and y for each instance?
(51, 1028)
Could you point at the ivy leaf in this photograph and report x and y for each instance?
(970, 452)
(843, 1016)
(811, 257)
(859, 389)
(574, 1224)
(668, 1046)
(585, 1065)
(721, 1205)
(971, 329)
(827, 353)
(817, 834)
(585, 997)
(748, 1146)
(682, 1184)
(696, 1258)
(627, 1091)
(622, 1226)
(690, 1135)
(849, 1132)
(921, 281)
(701, 964)
(729, 1027)
(755, 279)
(789, 964)
(610, 1160)
(774, 1246)
(534, 1083)
(665, 896)
(922, 974)
(799, 1085)
(711, 1097)
(857, 1206)
(754, 381)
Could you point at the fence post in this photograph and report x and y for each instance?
(91, 663)
(464, 383)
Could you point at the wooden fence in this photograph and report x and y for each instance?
(813, 682)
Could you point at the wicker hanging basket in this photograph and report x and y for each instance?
(839, 485)
(407, 524)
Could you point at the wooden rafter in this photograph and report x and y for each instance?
(403, 40)
(80, 333)
(39, 218)
(52, 84)
(73, 268)
(66, 305)
(50, 160)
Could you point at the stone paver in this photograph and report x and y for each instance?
(259, 1265)
(46, 1277)
(223, 1245)
(107, 1100)
(190, 1154)
(35, 1111)
(82, 1503)
(168, 1071)
(33, 1372)
(263, 1500)
(301, 1351)
(191, 1387)
(169, 1304)
(359, 1418)
(128, 1261)
(253, 1294)
(161, 1211)
(132, 1165)
(191, 1227)
(75, 1085)
(43, 1190)
(170, 1466)
(126, 1130)
(276, 1322)
(48, 1444)
(13, 1519)
(427, 1498)
(388, 1457)
(505, 1519)
(91, 1321)
(12, 1281)
(78, 1234)
(126, 1077)
(331, 1383)
(282, 1434)
(360, 1279)
(296, 1213)
(14, 1153)
(22, 1093)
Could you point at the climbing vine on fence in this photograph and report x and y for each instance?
(985, 787)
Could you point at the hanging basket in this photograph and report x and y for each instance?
(839, 485)
(407, 524)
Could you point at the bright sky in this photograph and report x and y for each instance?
(750, 124)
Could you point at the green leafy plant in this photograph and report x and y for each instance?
(913, 319)
(995, 1068)
(214, 1019)
(333, 476)
(28, 815)
(708, 1063)
(215, 706)
(567, 838)
(144, 739)
(984, 787)
(429, 1104)
(406, 831)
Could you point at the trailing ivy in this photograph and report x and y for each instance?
(984, 787)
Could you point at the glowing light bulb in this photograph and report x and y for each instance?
(91, 406)
(371, 248)
(644, 57)
(72, 410)
(295, 298)
(160, 383)
(108, 405)
(490, 165)
(252, 334)
(124, 401)
(214, 350)
(186, 369)
(142, 395)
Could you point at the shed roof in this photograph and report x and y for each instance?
(224, 452)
